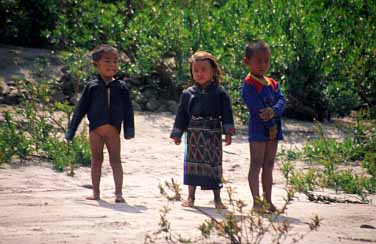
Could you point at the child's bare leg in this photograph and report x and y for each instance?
(257, 150)
(113, 147)
(267, 172)
(191, 197)
(217, 200)
(96, 145)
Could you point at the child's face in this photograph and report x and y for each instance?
(259, 63)
(107, 65)
(202, 72)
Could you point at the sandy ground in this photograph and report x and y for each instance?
(39, 205)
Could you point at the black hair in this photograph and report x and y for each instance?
(97, 53)
(255, 46)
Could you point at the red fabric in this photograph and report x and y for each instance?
(251, 81)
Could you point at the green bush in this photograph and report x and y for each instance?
(58, 152)
(12, 141)
(304, 181)
(81, 149)
(323, 66)
(23, 22)
(39, 128)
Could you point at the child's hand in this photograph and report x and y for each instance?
(177, 141)
(273, 133)
(267, 114)
(69, 135)
(228, 140)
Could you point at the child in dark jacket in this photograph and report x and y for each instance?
(106, 102)
(205, 113)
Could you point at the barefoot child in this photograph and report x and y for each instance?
(107, 103)
(204, 113)
(265, 103)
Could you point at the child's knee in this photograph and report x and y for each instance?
(115, 163)
(97, 161)
(268, 165)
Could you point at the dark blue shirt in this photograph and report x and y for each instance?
(211, 101)
(101, 109)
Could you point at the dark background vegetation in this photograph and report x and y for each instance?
(323, 51)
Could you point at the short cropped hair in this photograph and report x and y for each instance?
(255, 46)
(202, 56)
(98, 52)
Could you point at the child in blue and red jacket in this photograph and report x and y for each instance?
(265, 103)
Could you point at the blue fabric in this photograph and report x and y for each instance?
(93, 103)
(212, 101)
(255, 100)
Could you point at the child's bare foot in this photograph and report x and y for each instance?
(219, 205)
(94, 197)
(258, 207)
(188, 203)
(272, 208)
(119, 198)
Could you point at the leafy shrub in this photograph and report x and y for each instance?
(81, 149)
(23, 22)
(324, 67)
(39, 128)
(58, 152)
(304, 181)
(12, 141)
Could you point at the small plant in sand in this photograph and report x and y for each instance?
(332, 154)
(173, 187)
(238, 225)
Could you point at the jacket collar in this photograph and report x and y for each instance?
(101, 81)
(209, 87)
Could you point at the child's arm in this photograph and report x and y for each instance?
(79, 112)
(227, 117)
(181, 119)
(276, 111)
(128, 120)
(279, 106)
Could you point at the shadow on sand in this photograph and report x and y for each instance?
(121, 207)
(211, 212)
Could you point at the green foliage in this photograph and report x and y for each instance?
(287, 169)
(40, 132)
(370, 163)
(81, 149)
(323, 66)
(58, 152)
(348, 182)
(87, 23)
(12, 141)
(360, 147)
(346, 151)
(79, 67)
(23, 22)
(304, 181)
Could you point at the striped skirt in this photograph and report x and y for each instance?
(203, 154)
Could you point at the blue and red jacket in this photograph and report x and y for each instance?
(258, 96)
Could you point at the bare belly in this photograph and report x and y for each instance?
(106, 130)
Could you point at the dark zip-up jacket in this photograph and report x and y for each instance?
(210, 102)
(103, 109)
